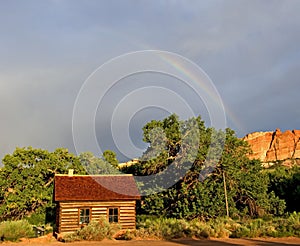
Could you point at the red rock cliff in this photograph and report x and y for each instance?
(271, 147)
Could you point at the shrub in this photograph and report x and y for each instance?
(289, 226)
(37, 219)
(14, 230)
(294, 220)
(94, 231)
(164, 228)
(126, 235)
(174, 228)
(168, 228)
(277, 227)
(199, 229)
(219, 227)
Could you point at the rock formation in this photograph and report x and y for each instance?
(274, 147)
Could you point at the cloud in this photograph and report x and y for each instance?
(250, 49)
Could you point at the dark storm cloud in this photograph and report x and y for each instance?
(250, 49)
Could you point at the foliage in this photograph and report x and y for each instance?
(285, 183)
(26, 180)
(276, 227)
(94, 165)
(221, 227)
(200, 157)
(199, 193)
(14, 230)
(111, 157)
(94, 231)
(37, 219)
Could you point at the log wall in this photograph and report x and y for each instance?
(68, 213)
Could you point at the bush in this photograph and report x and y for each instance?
(277, 227)
(199, 229)
(126, 235)
(169, 228)
(14, 230)
(94, 231)
(37, 219)
(294, 221)
(220, 227)
(289, 226)
(163, 228)
(174, 228)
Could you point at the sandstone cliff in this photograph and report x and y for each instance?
(273, 147)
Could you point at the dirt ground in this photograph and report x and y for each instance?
(50, 241)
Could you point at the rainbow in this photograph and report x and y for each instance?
(206, 85)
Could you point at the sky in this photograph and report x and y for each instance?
(248, 52)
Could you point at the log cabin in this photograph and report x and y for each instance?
(82, 198)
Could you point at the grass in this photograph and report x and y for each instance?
(14, 230)
(170, 228)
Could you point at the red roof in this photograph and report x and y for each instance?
(95, 188)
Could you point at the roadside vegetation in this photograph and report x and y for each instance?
(14, 230)
(94, 231)
(171, 228)
(231, 196)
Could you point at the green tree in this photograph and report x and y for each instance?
(95, 165)
(26, 180)
(111, 157)
(285, 183)
(200, 191)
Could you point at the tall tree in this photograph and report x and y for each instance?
(200, 191)
(95, 165)
(26, 180)
(111, 157)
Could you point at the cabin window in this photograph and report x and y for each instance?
(84, 216)
(113, 215)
